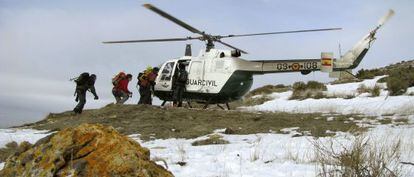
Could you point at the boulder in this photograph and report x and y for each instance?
(86, 150)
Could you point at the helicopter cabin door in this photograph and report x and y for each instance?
(195, 76)
(165, 77)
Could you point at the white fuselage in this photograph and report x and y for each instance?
(208, 72)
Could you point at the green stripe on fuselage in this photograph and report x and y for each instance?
(236, 86)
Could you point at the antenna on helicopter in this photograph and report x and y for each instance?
(340, 50)
(202, 36)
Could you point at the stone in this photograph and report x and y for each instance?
(229, 131)
(86, 150)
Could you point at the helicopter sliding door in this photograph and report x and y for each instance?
(195, 76)
(165, 77)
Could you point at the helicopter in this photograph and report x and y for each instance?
(219, 76)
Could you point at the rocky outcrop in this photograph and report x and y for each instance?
(87, 150)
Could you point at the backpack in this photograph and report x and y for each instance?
(182, 77)
(117, 78)
(139, 78)
(82, 79)
(143, 77)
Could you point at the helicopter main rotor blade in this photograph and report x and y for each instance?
(228, 45)
(152, 40)
(279, 32)
(173, 19)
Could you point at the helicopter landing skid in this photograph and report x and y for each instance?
(188, 103)
(218, 105)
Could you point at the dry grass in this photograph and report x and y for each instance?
(268, 89)
(260, 95)
(162, 123)
(312, 89)
(375, 91)
(255, 153)
(362, 158)
(182, 155)
(251, 101)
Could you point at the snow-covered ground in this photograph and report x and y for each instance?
(359, 104)
(276, 154)
(250, 155)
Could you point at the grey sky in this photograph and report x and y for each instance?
(44, 43)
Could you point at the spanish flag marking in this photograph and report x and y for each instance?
(326, 61)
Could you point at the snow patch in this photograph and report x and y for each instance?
(257, 96)
(410, 91)
(289, 129)
(374, 106)
(20, 135)
(411, 119)
(350, 89)
(220, 130)
(357, 104)
(1, 166)
(265, 154)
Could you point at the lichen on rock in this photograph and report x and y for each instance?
(86, 150)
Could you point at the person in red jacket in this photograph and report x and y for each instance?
(120, 91)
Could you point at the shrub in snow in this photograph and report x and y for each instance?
(182, 155)
(361, 158)
(316, 85)
(299, 86)
(401, 76)
(255, 100)
(396, 86)
(375, 91)
(369, 74)
(399, 80)
(268, 89)
(312, 89)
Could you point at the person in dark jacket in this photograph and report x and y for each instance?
(120, 91)
(179, 85)
(146, 87)
(82, 85)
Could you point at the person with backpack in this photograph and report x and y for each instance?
(84, 83)
(146, 85)
(120, 89)
(179, 85)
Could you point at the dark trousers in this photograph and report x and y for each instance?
(145, 95)
(120, 96)
(178, 95)
(81, 98)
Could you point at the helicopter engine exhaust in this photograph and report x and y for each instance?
(188, 50)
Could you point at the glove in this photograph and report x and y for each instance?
(96, 97)
(130, 94)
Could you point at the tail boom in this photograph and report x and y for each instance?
(345, 63)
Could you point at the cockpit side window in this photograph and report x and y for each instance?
(167, 71)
